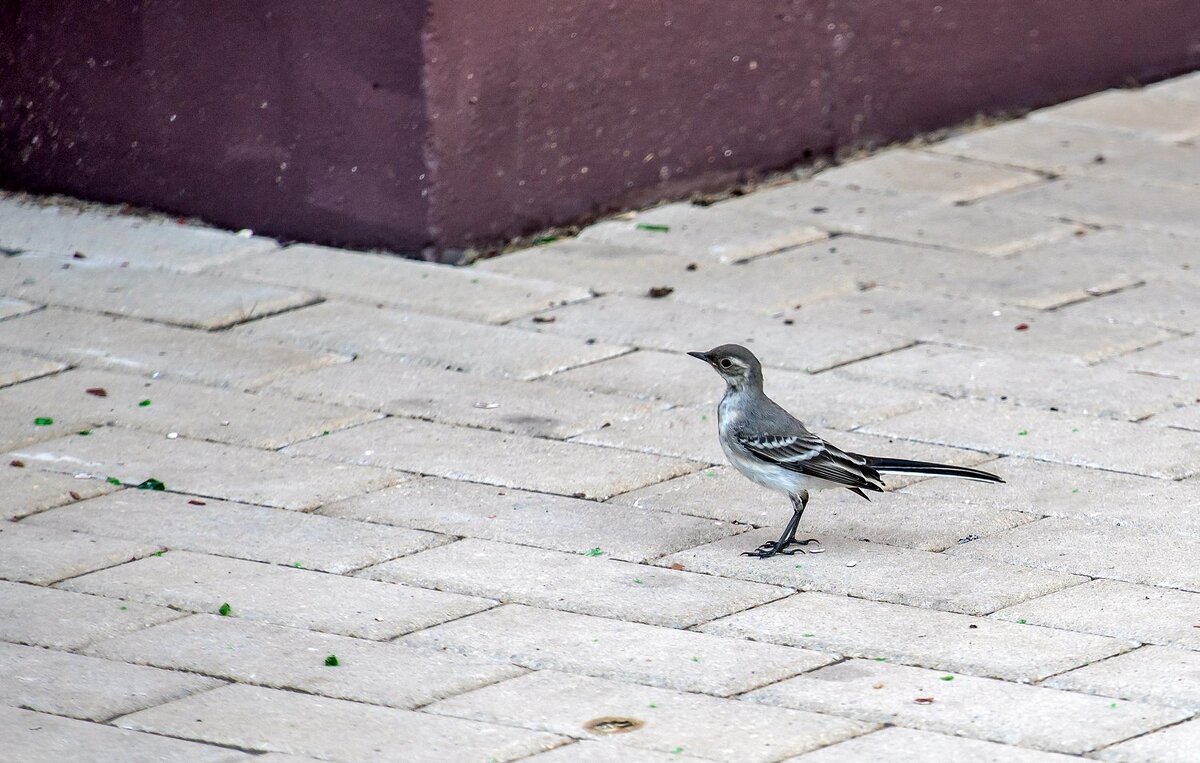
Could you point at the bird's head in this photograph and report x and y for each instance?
(736, 365)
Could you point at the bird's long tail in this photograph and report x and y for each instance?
(927, 469)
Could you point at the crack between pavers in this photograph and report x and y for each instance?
(1148, 732)
(1130, 648)
(1089, 297)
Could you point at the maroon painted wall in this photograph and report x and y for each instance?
(462, 122)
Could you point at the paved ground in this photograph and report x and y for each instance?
(421, 513)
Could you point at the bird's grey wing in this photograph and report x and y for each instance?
(806, 453)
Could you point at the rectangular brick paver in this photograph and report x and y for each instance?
(62, 620)
(1178, 358)
(673, 721)
(290, 658)
(532, 519)
(545, 639)
(1142, 113)
(10, 307)
(207, 469)
(897, 744)
(85, 687)
(1045, 719)
(239, 530)
(926, 174)
(1156, 674)
(590, 585)
(472, 454)
(44, 555)
(1176, 744)
(1108, 202)
(280, 595)
(922, 637)
(25, 491)
(16, 368)
(253, 718)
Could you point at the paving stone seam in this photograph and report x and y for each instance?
(585, 364)
(317, 300)
(1141, 734)
(37, 308)
(46, 375)
(55, 583)
(110, 723)
(1043, 175)
(1135, 646)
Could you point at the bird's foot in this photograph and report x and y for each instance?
(769, 549)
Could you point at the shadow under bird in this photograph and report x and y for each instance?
(773, 448)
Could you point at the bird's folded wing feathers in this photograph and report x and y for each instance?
(807, 453)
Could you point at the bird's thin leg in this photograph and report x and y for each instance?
(788, 538)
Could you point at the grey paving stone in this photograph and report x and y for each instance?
(1040, 381)
(534, 519)
(829, 207)
(544, 465)
(1186, 88)
(403, 389)
(673, 721)
(544, 639)
(1164, 507)
(207, 469)
(589, 585)
(190, 410)
(1165, 304)
(10, 307)
(607, 752)
(100, 235)
(1156, 674)
(1178, 358)
(922, 637)
(687, 432)
(279, 595)
(988, 324)
(25, 491)
(661, 325)
(85, 687)
(42, 555)
(1108, 202)
(249, 717)
(42, 738)
(388, 674)
(1122, 610)
(20, 428)
(988, 227)
(406, 284)
(239, 530)
(712, 233)
(1176, 744)
(896, 744)
(879, 572)
(427, 340)
(1181, 418)
(649, 375)
(1116, 553)
(1049, 436)
(1143, 113)
(62, 620)
(16, 368)
(1029, 716)
(147, 349)
(180, 299)
(921, 173)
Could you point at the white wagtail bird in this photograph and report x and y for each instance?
(774, 449)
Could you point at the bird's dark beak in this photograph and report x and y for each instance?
(702, 355)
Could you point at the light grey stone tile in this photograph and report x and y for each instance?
(1187, 417)
(896, 744)
(544, 639)
(1178, 358)
(988, 227)
(406, 284)
(278, 595)
(1172, 305)
(11, 307)
(25, 491)
(673, 721)
(1185, 88)
(354, 329)
(1115, 553)
(250, 717)
(31, 737)
(1028, 716)
(712, 233)
(1159, 675)
(180, 299)
(494, 458)
(207, 469)
(377, 673)
(20, 428)
(85, 687)
(1143, 113)
(828, 207)
(1176, 744)
(189, 410)
(920, 173)
(879, 572)
(649, 375)
(148, 349)
(680, 327)
(1049, 436)
(41, 555)
(239, 530)
(586, 584)
(1122, 610)
(913, 636)
(534, 519)
(16, 368)
(607, 752)
(1108, 202)
(403, 389)
(62, 620)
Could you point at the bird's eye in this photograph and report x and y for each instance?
(725, 363)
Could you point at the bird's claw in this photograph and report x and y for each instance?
(767, 550)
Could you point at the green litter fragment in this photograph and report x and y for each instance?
(225, 610)
(43, 421)
(704, 417)
(881, 659)
(655, 227)
(124, 609)
(808, 635)
(695, 659)
(298, 565)
(710, 473)
(677, 750)
(1074, 429)
(1023, 432)
(1074, 490)
(653, 706)
(143, 404)
(638, 581)
(152, 484)
(159, 553)
(84, 432)
(947, 678)
(325, 433)
(113, 481)
(545, 240)
(331, 661)
(594, 552)
(1113, 706)
(1021, 621)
